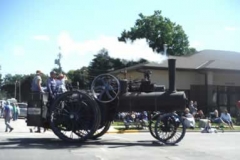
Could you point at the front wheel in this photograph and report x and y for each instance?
(170, 128)
(151, 125)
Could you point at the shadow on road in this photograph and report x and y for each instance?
(51, 143)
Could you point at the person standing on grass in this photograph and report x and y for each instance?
(7, 115)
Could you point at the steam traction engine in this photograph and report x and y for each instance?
(76, 116)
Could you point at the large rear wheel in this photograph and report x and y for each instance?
(74, 116)
(102, 130)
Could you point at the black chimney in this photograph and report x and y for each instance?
(171, 72)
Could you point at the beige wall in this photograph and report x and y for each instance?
(183, 78)
(226, 79)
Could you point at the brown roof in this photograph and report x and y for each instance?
(202, 60)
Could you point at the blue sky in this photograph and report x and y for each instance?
(32, 30)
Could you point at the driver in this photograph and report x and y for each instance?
(36, 83)
(51, 87)
(36, 87)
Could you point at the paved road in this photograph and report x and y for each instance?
(22, 145)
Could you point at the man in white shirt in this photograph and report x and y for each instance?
(226, 117)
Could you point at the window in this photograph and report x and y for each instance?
(223, 99)
(22, 105)
(233, 99)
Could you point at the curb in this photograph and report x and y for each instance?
(137, 131)
(122, 131)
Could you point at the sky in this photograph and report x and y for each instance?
(31, 31)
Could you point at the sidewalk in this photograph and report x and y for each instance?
(20, 126)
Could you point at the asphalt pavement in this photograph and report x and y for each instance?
(23, 145)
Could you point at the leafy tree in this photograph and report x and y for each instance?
(102, 63)
(9, 89)
(57, 70)
(3, 95)
(1, 80)
(24, 87)
(11, 79)
(79, 76)
(132, 63)
(159, 30)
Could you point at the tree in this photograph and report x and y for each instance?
(3, 95)
(159, 30)
(102, 63)
(8, 86)
(58, 71)
(11, 79)
(132, 63)
(79, 76)
(1, 80)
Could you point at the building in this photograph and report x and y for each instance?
(210, 77)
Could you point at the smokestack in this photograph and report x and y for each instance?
(165, 50)
(171, 71)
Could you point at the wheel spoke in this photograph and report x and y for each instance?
(103, 82)
(166, 129)
(108, 94)
(115, 94)
(109, 83)
(101, 94)
(98, 88)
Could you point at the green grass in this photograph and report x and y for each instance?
(120, 126)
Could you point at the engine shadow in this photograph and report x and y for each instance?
(53, 144)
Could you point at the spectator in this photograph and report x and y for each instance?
(127, 120)
(18, 111)
(14, 111)
(188, 119)
(195, 104)
(192, 108)
(1, 109)
(7, 115)
(199, 115)
(215, 117)
(226, 117)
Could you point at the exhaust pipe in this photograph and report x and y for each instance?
(171, 71)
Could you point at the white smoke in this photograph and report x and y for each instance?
(129, 51)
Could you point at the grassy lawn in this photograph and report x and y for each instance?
(117, 124)
(120, 126)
